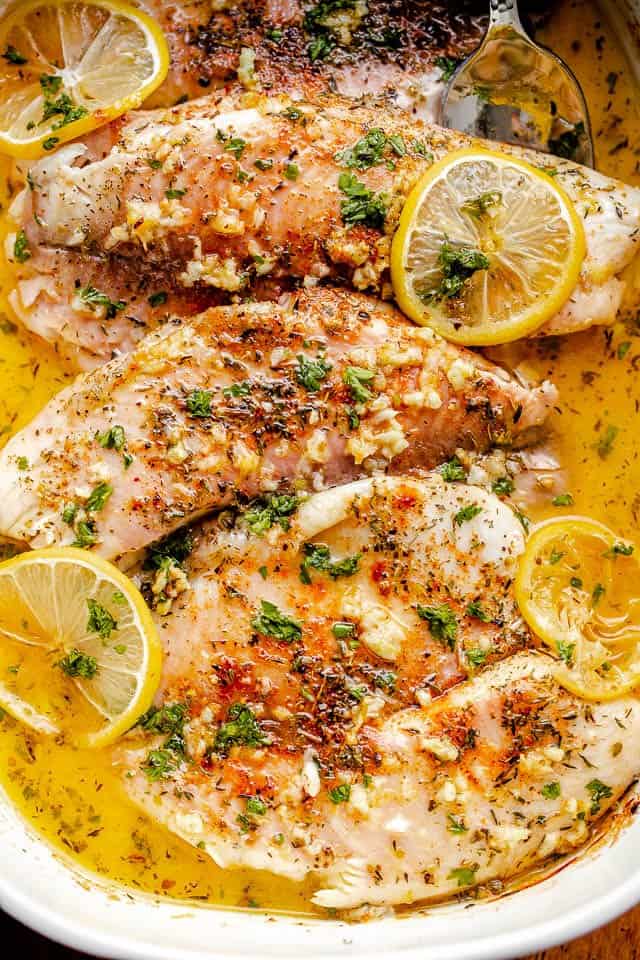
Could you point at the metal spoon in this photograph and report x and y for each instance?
(513, 90)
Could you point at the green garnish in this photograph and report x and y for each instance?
(78, 664)
(271, 622)
(311, 373)
(598, 791)
(113, 439)
(94, 298)
(465, 514)
(241, 728)
(562, 500)
(318, 557)
(100, 620)
(340, 794)
(362, 205)
(21, 251)
(199, 403)
(477, 207)
(465, 876)
(458, 264)
(158, 299)
(474, 609)
(551, 791)
(357, 378)
(292, 171)
(503, 486)
(236, 146)
(453, 470)
(456, 824)
(264, 513)
(447, 67)
(442, 622)
(98, 497)
(11, 55)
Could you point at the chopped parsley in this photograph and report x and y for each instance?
(158, 299)
(11, 55)
(598, 791)
(63, 107)
(50, 143)
(606, 441)
(464, 876)
(241, 389)
(100, 620)
(565, 650)
(265, 513)
(255, 806)
(159, 764)
(474, 609)
(597, 594)
(318, 557)
(78, 664)
(458, 264)
(340, 794)
(442, 622)
(478, 206)
(21, 251)
(476, 657)
(447, 67)
(551, 791)
(317, 23)
(503, 486)
(236, 146)
(357, 378)
(113, 439)
(263, 164)
(453, 470)
(465, 514)
(86, 534)
(95, 298)
(366, 152)
(176, 548)
(455, 824)
(98, 497)
(292, 171)
(361, 204)
(174, 193)
(199, 403)
(23, 463)
(311, 373)
(271, 622)
(241, 728)
(342, 630)
(620, 550)
(562, 500)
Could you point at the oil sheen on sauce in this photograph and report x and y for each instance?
(73, 798)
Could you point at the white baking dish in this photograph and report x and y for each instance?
(46, 892)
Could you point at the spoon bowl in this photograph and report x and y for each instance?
(515, 91)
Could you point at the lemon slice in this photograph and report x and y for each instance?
(67, 67)
(578, 588)
(487, 248)
(79, 653)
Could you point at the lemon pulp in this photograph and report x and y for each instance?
(577, 588)
(68, 67)
(487, 249)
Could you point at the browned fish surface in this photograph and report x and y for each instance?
(220, 201)
(242, 400)
(352, 47)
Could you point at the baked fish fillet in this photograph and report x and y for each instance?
(303, 750)
(223, 200)
(363, 47)
(316, 391)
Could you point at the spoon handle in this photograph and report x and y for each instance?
(504, 13)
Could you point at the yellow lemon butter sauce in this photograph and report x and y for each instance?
(72, 797)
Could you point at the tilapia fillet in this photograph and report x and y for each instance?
(319, 390)
(304, 752)
(223, 201)
(357, 48)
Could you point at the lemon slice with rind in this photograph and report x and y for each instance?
(67, 67)
(487, 249)
(578, 588)
(79, 652)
